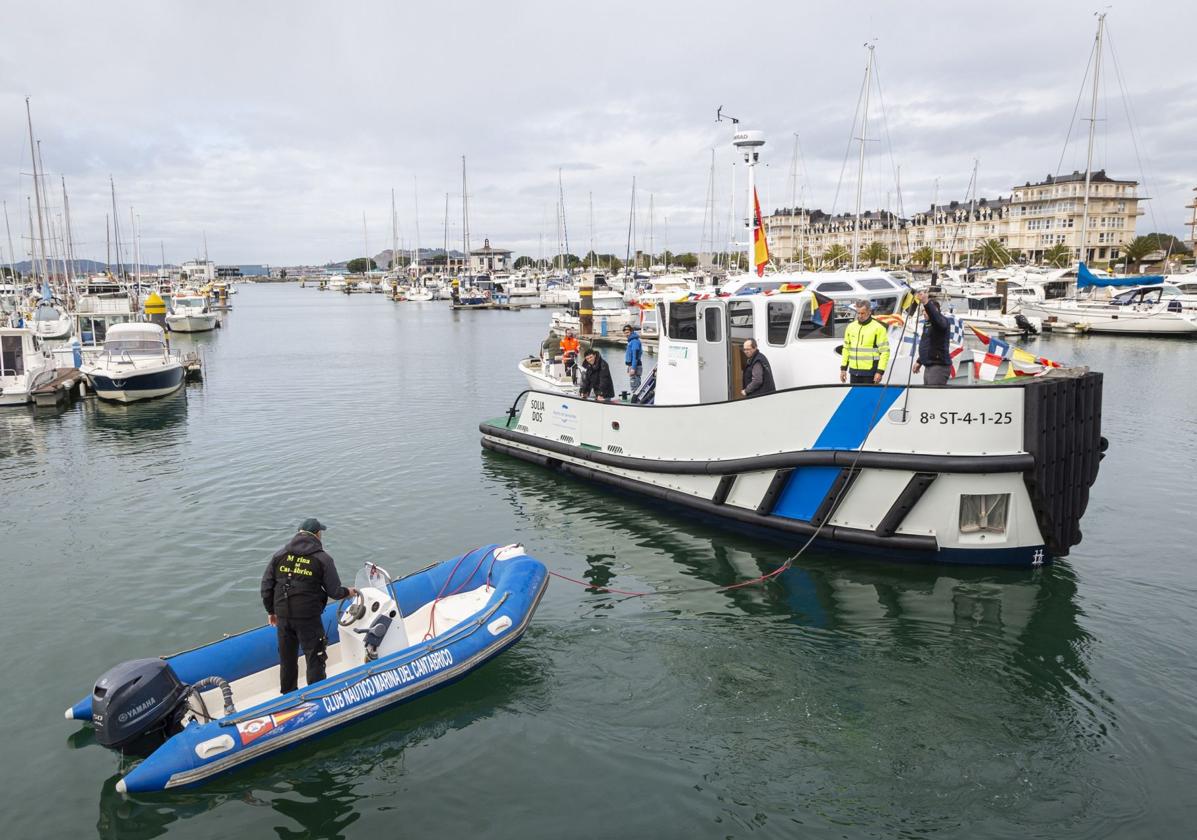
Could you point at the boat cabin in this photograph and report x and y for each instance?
(701, 354)
(1148, 297)
(16, 345)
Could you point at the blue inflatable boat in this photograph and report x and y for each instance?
(210, 710)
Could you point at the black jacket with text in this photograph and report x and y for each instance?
(300, 579)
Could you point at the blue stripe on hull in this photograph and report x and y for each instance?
(858, 413)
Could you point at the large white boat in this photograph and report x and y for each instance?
(189, 313)
(546, 372)
(516, 285)
(51, 322)
(24, 366)
(135, 364)
(977, 473)
(336, 283)
(1139, 306)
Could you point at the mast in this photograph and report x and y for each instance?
(564, 228)
(39, 253)
(934, 225)
(750, 142)
(136, 247)
(365, 245)
(415, 190)
(394, 235)
(651, 243)
(70, 234)
(1083, 251)
(968, 228)
(12, 255)
(731, 217)
(593, 255)
(162, 265)
(108, 244)
(465, 217)
(116, 230)
(864, 130)
(627, 257)
(446, 233)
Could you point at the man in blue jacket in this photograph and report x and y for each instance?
(632, 357)
(933, 344)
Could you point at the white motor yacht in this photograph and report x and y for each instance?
(24, 367)
(136, 364)
(337, 283)
(189, 313)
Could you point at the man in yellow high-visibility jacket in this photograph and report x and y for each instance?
(866, 348)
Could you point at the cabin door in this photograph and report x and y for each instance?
(712, 353)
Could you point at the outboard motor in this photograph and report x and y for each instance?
(1024, 324)
(137, 705)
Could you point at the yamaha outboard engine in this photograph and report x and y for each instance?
(137, 705)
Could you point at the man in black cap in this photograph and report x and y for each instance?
(596, 377)
(295, 589)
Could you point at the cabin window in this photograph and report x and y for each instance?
(12, 357)
(834, 286)
(739, 316)
(842, 314)
(683, 324)
(711, 326)
(875, 284)
(779, 315)
(986, 513)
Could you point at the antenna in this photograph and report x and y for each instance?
(720, 117)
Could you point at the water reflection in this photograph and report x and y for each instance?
(314, 788)
(1026, 622)
(115, 421)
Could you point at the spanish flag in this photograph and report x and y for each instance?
(760, 247)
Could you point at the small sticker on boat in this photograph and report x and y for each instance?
(499, 625)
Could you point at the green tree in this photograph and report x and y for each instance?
(523, 262)
(1059, 255)
(836, 255)
(360, 265)
(1138, 248)
(923, 256)
(875, 253)
(992, 253)
(687, 261)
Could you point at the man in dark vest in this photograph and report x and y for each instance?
(933, 344)
(758, 376)
(296, 587)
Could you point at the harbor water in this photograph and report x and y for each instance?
(850, 697)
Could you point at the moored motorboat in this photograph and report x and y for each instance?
(547, 371)
(215, 708)
(189, 313)
(135, 364)
(23, 365)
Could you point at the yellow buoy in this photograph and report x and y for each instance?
(154, 305)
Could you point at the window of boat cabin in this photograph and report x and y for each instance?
(779, 314)
(12, 356)
(683, 322)
(739, 319)
(711, 326)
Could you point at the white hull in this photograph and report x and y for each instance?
(1120, 321)
(537, 379)
(135, 396)
(191, 323)
(53, 330)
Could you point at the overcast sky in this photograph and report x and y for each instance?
(272, 126)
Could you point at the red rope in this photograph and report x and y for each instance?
(441, 595)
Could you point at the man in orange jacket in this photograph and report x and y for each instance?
(569, 351)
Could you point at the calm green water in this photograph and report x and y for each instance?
(851, 698)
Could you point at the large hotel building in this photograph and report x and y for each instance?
(1033, 219)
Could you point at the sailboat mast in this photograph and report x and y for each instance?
(1082, 253)
(37, 195)
(465, 216)
(969, 228)
(446, 233)
(593, 255)
(394, 235)
(415, 191)
(136, 246)
(365, 245)
(864, 129)
(108, 244)
(564, 228)
(70, 234)
(116, 229)
(12, 255)
(631, 230)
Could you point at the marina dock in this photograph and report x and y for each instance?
(67, 386)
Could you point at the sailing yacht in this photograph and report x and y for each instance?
(1141, 307)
